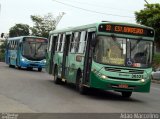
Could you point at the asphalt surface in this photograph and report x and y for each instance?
(33, 91)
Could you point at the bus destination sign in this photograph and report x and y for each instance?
(122, 29)
(35, 40)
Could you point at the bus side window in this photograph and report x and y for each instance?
(77, 40)
(55, 40)
(63, 41)
(11, 45)
(74, 42)
(50, 43)
(58, 42)
(17, 45)
(14, 45)
(82, 42)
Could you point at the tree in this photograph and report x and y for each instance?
(42, 25)
(19, 30)
(2, 51)
(150, 16)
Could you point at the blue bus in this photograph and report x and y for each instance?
(26, 52)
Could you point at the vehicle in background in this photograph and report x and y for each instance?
(26, 52)
(156, 74)
(105, 55)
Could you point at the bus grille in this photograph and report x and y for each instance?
(121, 70)
(126, 79)
(33, 65)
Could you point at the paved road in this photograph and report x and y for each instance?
(32, 91)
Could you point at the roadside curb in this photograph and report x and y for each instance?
(156, 81)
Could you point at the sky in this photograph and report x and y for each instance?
(77, 12)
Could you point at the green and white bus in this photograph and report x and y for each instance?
(106, 55)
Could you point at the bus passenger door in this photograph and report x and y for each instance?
(52, 53)
(48, 53)
(65, 65)
(19, 52)
(88, 58)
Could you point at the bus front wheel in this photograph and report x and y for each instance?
(29, 68)
(39, 69)
(126, 94)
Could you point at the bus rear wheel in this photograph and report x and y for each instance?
(39, 69)
(81, 88)
(56, 79)
(126, 94)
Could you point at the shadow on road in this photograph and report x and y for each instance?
(99, 94)
(23, 69)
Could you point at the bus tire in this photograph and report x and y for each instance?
(126, 94)
(39, 69)
(56, 79)
(10, 66)
(79, 85)
(19, 67)
(29, 68)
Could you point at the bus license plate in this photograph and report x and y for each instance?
(123, 86)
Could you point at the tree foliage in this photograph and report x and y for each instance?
(150, 16)
(2, 51)
(42, 25)
(2, 47)
(19, 30)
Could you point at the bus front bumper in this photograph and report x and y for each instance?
(119, 85)
(33, 64)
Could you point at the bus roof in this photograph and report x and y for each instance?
(95, 25)
(21, 37)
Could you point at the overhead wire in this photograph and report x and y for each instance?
(100, 6)
(88, 10)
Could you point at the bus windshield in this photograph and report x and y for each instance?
(34, 49)
(123, 51)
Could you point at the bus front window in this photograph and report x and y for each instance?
(34, 50)
(110, 50)
(139, 53)
(123, 51)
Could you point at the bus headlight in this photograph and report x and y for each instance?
(44, 61)
(104, 77)
(142, 80)
(24, 60)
